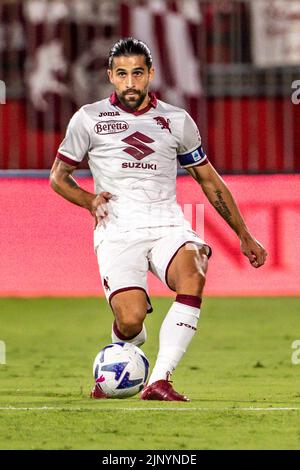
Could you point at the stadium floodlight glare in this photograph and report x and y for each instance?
(2, 92)
(2, 352)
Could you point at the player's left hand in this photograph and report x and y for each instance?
(254, 251)
(99, 208)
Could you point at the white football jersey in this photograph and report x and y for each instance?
(133, 155)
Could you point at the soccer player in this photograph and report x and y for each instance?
(133, 142)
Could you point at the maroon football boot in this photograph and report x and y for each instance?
(162, 390)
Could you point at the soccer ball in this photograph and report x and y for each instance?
(121, 370)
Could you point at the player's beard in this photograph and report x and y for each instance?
(132, 101)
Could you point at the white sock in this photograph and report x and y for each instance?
(137, 340)
(176, 333)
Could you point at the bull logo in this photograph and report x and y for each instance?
(105, 283)
(163, 122)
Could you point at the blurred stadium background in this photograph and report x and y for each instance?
(232, 64)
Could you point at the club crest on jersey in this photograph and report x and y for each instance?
(110, 127)
(163, 122)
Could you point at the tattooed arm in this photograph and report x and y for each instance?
(62, 182)
(221, 198)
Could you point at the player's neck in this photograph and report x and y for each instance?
(148, 101)
(144, 104)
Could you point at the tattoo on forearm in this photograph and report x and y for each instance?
(70, 181)
(221, 206)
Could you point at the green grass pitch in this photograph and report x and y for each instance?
(238, 373)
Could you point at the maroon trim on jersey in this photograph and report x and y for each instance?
(173, 256)
(114, 100)
(118, 333)
(123, 289)
(66, 159)
(191, 300)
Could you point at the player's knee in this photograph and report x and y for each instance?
(130, 326)
(192, 283)
(130, 312)
(130, 319)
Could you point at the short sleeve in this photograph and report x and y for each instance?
(190, 151)
(76, 143)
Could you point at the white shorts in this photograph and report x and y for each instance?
(125, 258)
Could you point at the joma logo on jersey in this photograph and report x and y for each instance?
(109, 113)
(138, 148)
(111, 127)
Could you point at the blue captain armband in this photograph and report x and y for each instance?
(196, 157)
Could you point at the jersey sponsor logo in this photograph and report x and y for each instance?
(138, 148)
(187, 325)
(109, 113)
(163, 123)
(110, 127)
(145, 166)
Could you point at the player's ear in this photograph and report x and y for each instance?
(151, 74)
(109, 74)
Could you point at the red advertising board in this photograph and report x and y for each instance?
(46, 243)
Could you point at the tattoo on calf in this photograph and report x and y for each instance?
(221, 207)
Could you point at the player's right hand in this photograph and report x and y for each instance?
(99, 207)
(254, 251)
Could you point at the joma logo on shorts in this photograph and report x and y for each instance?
(187, 325)
(111, 127)
(145, 166)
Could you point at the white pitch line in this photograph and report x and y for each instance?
(216, 410)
